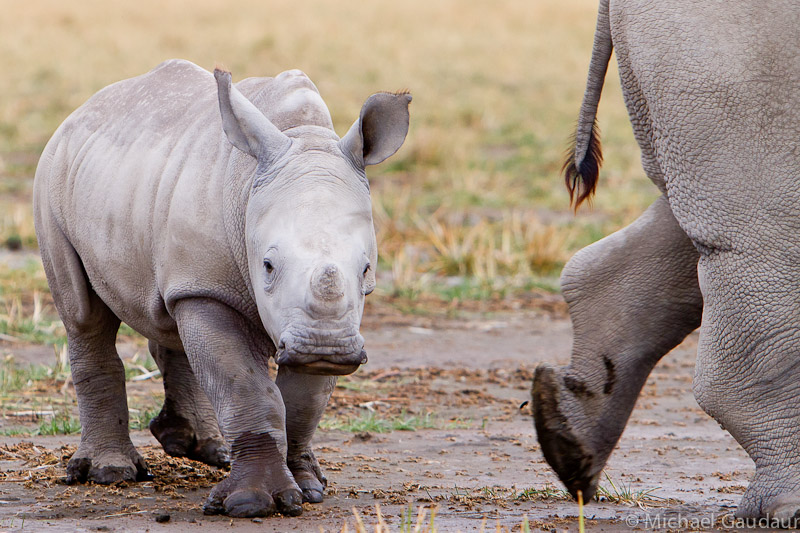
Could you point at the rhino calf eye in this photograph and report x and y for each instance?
(268, 266)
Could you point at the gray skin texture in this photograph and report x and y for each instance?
(227, 225)
(712, 92)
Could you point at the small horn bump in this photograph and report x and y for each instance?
(326, 283)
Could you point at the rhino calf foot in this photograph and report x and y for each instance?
(312, 494)
(107, 468)
(179, 439)
(568, 451)
(246, 503)
(214, 452)
(242, 501)
(308, 475)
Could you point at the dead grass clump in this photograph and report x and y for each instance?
(30, 318)
(16, 227)
(511, 243)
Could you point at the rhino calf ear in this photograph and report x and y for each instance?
(245, 126)
(380, 129)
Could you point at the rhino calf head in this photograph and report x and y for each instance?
(311, 250)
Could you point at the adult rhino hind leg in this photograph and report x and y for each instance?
(747, 374)
(305, 397)
(187, 425)
(632, 297)
(105, 454)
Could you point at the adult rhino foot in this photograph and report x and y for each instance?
(776, 504)
(308, 475)
(107, 467)
(561, 427)
(786, 510)
(250, 500)
(178, 437)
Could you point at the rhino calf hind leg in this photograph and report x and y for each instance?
(187, 425)
(105, 454)
(632, 297)
(305, 397)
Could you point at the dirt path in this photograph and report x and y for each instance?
(475, 455)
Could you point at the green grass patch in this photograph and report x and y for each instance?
(372, 422)
(484, 290)
(620, 493)
(459, 423)
(548, 492)
(358, 384)
(64, 423)
(26, 310)
(61, 424)
(139, 419)
(14, 378)
(141, 363)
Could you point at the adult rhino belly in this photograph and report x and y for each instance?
(717, 85)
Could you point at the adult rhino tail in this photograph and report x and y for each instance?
(584, 157)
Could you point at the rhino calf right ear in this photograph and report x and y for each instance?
(247, 128)
(380, 129)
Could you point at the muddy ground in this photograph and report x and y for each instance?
(478, 463)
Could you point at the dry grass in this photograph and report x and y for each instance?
(26, 309)
(421, 521)
(475, 191)
(16, 225)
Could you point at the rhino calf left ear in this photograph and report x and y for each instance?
(380, 129)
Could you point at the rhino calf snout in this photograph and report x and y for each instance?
(287, 359)
(307, 349)
(338, 365)
(331, 356)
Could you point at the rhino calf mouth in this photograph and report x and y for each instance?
(341, 367)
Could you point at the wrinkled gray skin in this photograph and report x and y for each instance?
(712, 91)
(147, 214)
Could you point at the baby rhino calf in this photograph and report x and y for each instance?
(222, 257)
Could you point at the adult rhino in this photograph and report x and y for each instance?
(713, 93)
(222, 257)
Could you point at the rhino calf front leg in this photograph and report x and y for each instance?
(305, 397)
(229, 359)
(187, 425)
(632, 297)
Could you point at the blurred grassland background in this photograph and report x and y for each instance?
(473, 205)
